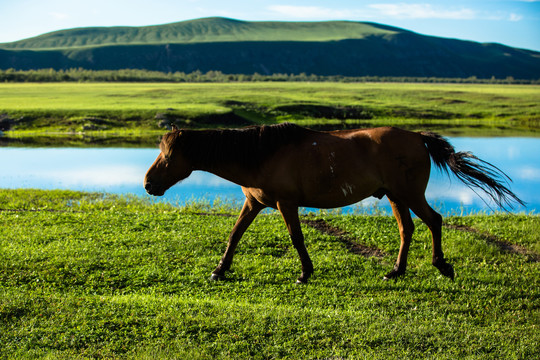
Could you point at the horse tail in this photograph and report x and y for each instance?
(472, 171)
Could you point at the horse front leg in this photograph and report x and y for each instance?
(290, 216)
(406, 230)
(249, 211)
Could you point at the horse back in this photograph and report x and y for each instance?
(380, 160)
(400, 156)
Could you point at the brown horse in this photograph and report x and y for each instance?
(286, 166)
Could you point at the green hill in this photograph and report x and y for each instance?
(232, 46)
(202, 31)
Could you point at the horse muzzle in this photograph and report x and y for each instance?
(153, 189)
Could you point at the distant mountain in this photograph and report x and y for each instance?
(202, 31)
(232, 46)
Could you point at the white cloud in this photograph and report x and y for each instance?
(204, 179)
(515, 17)
(58, 15)
(451, 192)
(399, 10)
(529, 173)
(423, 11)
(105, 176)
(310, 12)
(391, 10)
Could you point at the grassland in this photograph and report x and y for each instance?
(127, 110)
(95, 276)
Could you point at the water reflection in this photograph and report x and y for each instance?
(122, 171)
(114, 170)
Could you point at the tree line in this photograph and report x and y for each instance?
(140, 75)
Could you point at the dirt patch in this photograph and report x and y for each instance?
(502, 244)
(214, 214)
(345, 238)
(326, 112)
(424, 114)
(228, 119)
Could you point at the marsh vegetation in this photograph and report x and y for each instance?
(106, 112)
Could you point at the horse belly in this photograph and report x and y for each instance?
(340, 180)
(346, 192)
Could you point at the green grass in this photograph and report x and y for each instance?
(120, 109)
(99, 276)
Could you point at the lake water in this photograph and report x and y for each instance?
(121, 170)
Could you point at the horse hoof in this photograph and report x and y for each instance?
(216, 277)
(393, 275)
(301, 282)
(448, 271)
(445, 269)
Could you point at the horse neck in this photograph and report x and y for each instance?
(225, 153)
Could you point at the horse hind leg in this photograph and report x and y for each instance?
(406, 230)
(433, 220)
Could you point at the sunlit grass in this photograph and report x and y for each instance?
(90, 275)
(454, 107)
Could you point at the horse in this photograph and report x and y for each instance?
(286, 166)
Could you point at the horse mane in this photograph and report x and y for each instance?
(248, 147)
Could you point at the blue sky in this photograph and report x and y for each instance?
(511, 22)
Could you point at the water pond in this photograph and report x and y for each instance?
(121, 170)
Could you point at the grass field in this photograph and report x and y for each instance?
(136, 109)
(95, 276)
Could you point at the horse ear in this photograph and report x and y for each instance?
(174, 127)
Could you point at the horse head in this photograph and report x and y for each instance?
(170, 167)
